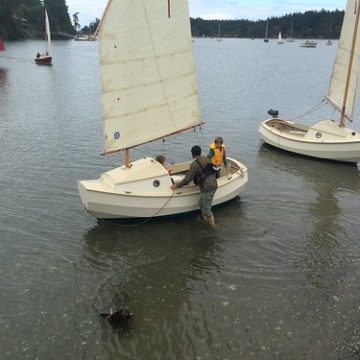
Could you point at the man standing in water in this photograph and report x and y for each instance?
(202, 173)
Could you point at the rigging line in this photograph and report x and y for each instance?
(333, 113)
(200, 138)
(157, 62)
(316, 107)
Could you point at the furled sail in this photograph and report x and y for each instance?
(47, 33)
(147, 72)
(344, 79)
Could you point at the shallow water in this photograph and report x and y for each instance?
(277, 279)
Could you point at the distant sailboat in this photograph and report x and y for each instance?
(330, 33)
(280, 40)
(290, 38)
(2, 44)
(327, 139)
(309, 44)
(266, 31)
(219, 33)
(45, 59)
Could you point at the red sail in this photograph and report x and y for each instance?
(2, 45)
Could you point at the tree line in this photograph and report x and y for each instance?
(24, 19)
(311, 24)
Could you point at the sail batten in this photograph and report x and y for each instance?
(150, 55)
(113, 151)
(344, 79)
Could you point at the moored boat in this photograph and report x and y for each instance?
(324, 140)
(327, 139)
(309, 44)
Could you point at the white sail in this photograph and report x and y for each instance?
(147, 72)
(267, 27)
(47, 33)
(345, 74)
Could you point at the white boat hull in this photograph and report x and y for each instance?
(126, 193)
(324, 140)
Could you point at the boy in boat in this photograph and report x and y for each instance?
(161, 159)
(202, 173)
(217, 155)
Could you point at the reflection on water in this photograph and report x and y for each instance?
(3, 77)
(327, 231)
(277, 279)
(153, 271)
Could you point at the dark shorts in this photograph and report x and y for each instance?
(205, 202)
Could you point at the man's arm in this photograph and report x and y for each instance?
(190, 174)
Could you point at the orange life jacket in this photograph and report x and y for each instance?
(218, 157)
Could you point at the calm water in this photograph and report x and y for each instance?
(278, 279)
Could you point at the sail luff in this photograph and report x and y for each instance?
(147, 72)
(96, 33)
(344, 78)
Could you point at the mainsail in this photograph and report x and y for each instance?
(147, 72)
(47, 33)
(344, 79)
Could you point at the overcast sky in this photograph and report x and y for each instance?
(89, 10)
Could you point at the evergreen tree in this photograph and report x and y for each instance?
(59, 18)
(20, 19)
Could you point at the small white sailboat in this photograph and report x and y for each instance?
(266, 39)
(149, 92)
(327, 139)
(329, 42)
(280, 40)
(291, 37)
(45, 59)
(219, 33)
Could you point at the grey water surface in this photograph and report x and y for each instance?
(278, 278)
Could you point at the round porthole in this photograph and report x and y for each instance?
(156, 183)
(318, 135)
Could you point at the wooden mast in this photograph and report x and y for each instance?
(127, 158)
(352, 50)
